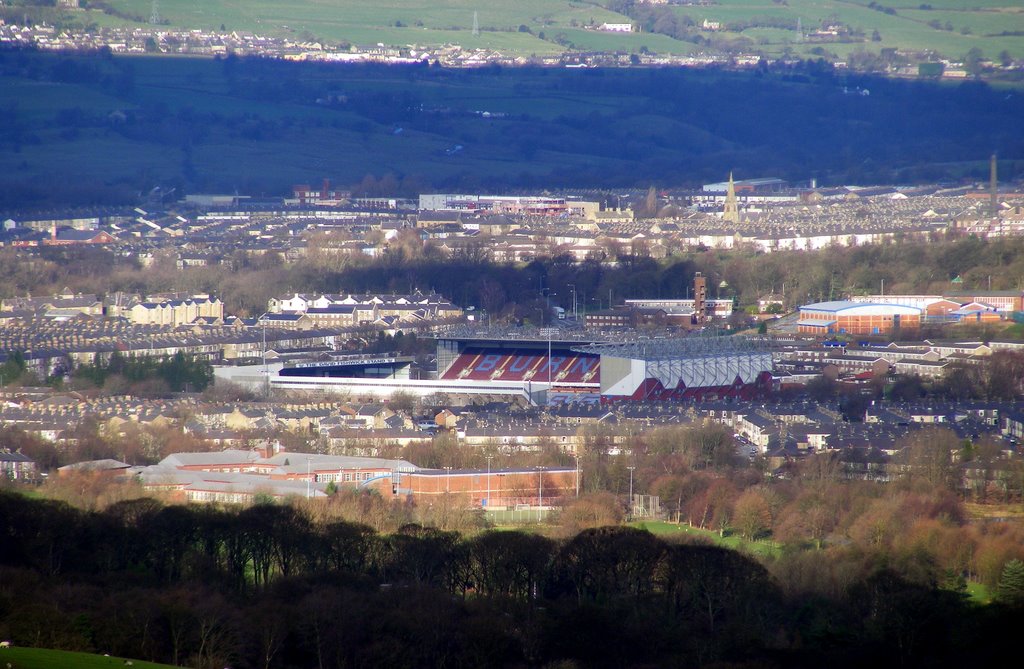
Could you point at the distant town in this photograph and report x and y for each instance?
(304, 355)
(165, 40)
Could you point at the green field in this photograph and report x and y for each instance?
(762, 548)
(395, 22)
(42, 658)
(410, 22)
(907, 29)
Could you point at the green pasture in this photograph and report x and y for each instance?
(43, 658)
(594, 40)
(907, 29)
(943, 4)
(418, 24)
(360, 22)
(762, 548)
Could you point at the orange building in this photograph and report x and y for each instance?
(499, 488)
(858, 318)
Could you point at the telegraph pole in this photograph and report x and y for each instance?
(630, 491)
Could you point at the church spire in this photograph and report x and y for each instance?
(731, 212)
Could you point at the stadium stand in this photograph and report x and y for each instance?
(523, 365)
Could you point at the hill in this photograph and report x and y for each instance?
(835, 29)
(86, 129)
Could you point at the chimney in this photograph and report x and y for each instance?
(326, 187)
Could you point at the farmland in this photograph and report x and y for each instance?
(944, 28)
(948, 27)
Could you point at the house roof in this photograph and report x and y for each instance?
(105, 464)
(227, 457)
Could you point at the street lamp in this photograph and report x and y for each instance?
(630, 490)
(266, 373)
(487, 500)
(549, 332)
(540, 491)
(308, 476)
(573, 287)
(549, 361)
(448, 479)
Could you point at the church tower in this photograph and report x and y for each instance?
(732, 212)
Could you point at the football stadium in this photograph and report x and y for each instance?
(549, 366)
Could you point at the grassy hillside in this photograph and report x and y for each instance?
(80, 129)
(401, 22)
(949, 27)
(42, 658)
(963, 24)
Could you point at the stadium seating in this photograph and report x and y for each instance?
(523, 365)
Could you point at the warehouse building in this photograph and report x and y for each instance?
(857, 318)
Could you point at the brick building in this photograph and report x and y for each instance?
(496, 489)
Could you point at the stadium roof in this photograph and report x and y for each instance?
(680, 347)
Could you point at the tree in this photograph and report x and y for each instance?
(672, 489)
(1011, 583)
(709, 446)
(808, 518)
(972, 61)
(821, 389)
(929, 455)
(752, 516)
(712, 586)
(1004, 375)
(907, 388)
(509, 564)
(347, 547)
(608, 563)
(422, 555)
(402, 401)
(599, 509)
